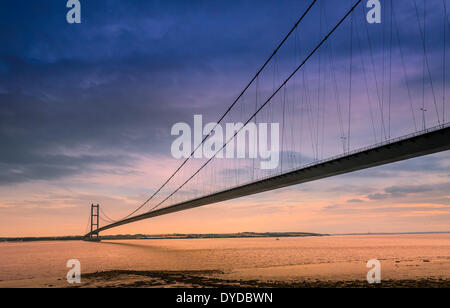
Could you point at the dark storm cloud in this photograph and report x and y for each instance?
(117, 83)
(429, 164)
(355, 201)
(342, 209)
(50, 167)
(377, 196)
(399, 191)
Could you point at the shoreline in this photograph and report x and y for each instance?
(175, 236)
(210, 279)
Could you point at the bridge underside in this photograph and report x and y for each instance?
(394, 151)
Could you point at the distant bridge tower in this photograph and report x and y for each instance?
(95, 214)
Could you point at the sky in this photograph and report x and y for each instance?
(86, 112)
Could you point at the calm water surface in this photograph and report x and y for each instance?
(334, 257)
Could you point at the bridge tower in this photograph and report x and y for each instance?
(95, 214)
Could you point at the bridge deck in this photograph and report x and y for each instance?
(415, 145)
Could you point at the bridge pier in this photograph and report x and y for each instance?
(93, 236)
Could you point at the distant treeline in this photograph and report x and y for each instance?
(35, 239)
(164, 236)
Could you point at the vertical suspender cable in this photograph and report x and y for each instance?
(390, 71)
(444, 63)
(318, 46)
(229, 108)
(350, 83)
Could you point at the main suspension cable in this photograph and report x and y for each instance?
(267, 101)
(229, 108)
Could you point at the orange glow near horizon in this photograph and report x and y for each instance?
(375, 200)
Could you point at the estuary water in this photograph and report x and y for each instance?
(343, 258)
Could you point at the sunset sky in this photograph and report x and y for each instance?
(86, 113)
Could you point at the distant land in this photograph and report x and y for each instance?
(163, 236)
(198, 236)
(393, 233)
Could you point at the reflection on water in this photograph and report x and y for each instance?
(335, 257)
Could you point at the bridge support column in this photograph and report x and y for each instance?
(95, 214)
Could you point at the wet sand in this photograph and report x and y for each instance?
(210, 279)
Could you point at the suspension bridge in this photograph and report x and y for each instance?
(348, 96)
